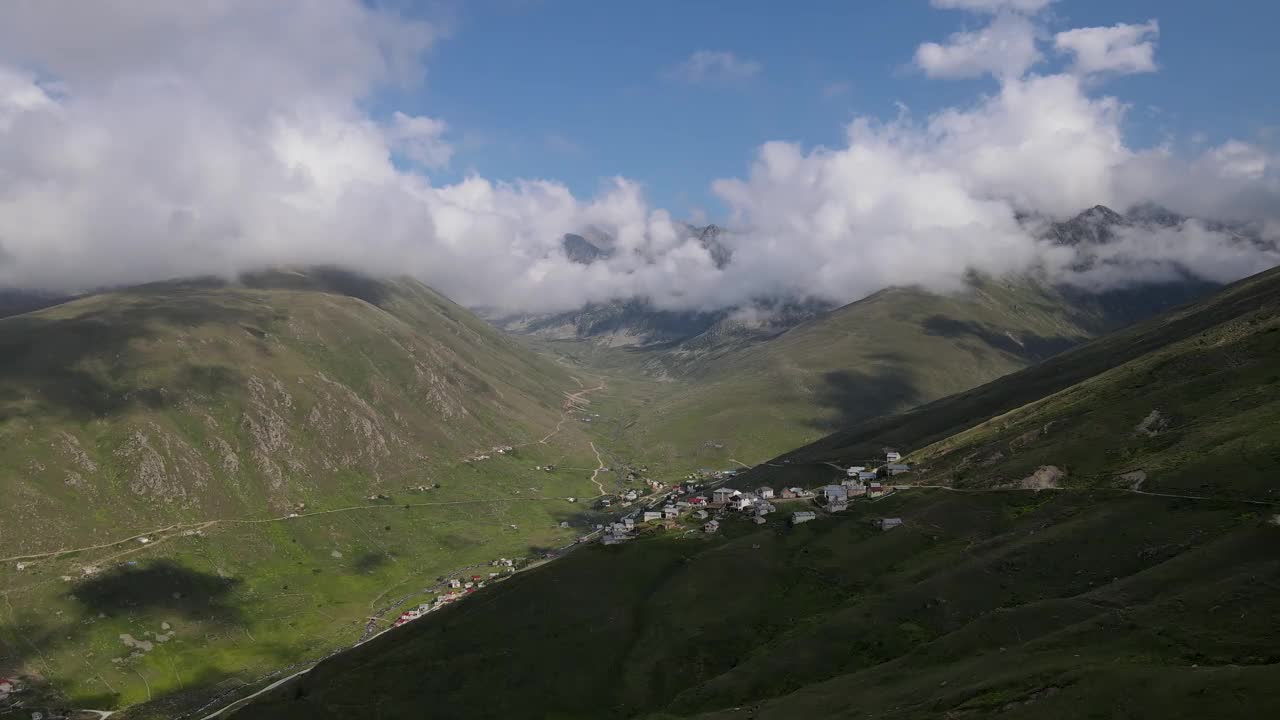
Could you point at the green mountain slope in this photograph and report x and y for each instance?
(1095, 600)
(1218, 351)
(250, 471)
(746, 400)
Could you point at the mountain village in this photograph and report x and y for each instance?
(704, 507)
(700, 503)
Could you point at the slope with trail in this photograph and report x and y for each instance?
(212, 479)
(996, 598)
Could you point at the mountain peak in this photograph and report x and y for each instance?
(580, 250)
(1101, 213)
(1093, 226)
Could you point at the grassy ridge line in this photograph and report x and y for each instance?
(938, 420)
(242, 521)
(1198, 417)
(754, 400)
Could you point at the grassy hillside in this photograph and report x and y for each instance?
(749, 401)
(1219, 349)
(1060, 605)
(1093, 600)
(206, 482)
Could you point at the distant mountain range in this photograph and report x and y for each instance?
(636, 322)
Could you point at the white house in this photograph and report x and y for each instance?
(802, 517)
(742, 502)
(892, 456)
(837, 506)
(836, 493)
(854, 470)
(711, 527)
(889, 523)
(670, 512)
(651, 515)
(765, 492)
(700, 514)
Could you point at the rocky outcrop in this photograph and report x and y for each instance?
(1046, 477)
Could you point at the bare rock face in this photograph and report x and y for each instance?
(1047, 477)
(266, 425)
(1153, 424)
(1133, 479)
(69, 445)
(226, 455)
(163, 466)
(148, 477)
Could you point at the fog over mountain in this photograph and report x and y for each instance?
(141, 141)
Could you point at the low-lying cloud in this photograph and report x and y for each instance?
(156, 140)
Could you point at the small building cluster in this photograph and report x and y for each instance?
(794, 493)
(483, 455)
(892, 466)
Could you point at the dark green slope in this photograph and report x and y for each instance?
(981, 601)
(1095, 600)
(1238, 312)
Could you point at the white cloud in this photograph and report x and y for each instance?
(153, 140)
(1238, 159)
(993, 6)
(421, 139)
(716, 66)
(1005, 48)
(1117, 49)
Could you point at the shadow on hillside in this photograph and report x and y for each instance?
(368, 562)
(1024, 345)
(159, 585)
(325, 279)
(83, 367)
(854, 395)
(28, 634)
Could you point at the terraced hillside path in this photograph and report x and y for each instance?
(571, 403)
(1131, 491)
(600, 468)
(159, 534)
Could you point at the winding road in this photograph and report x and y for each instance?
(600, 468)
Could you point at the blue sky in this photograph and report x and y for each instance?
(578, 91)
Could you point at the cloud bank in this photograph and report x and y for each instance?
(151, 140)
